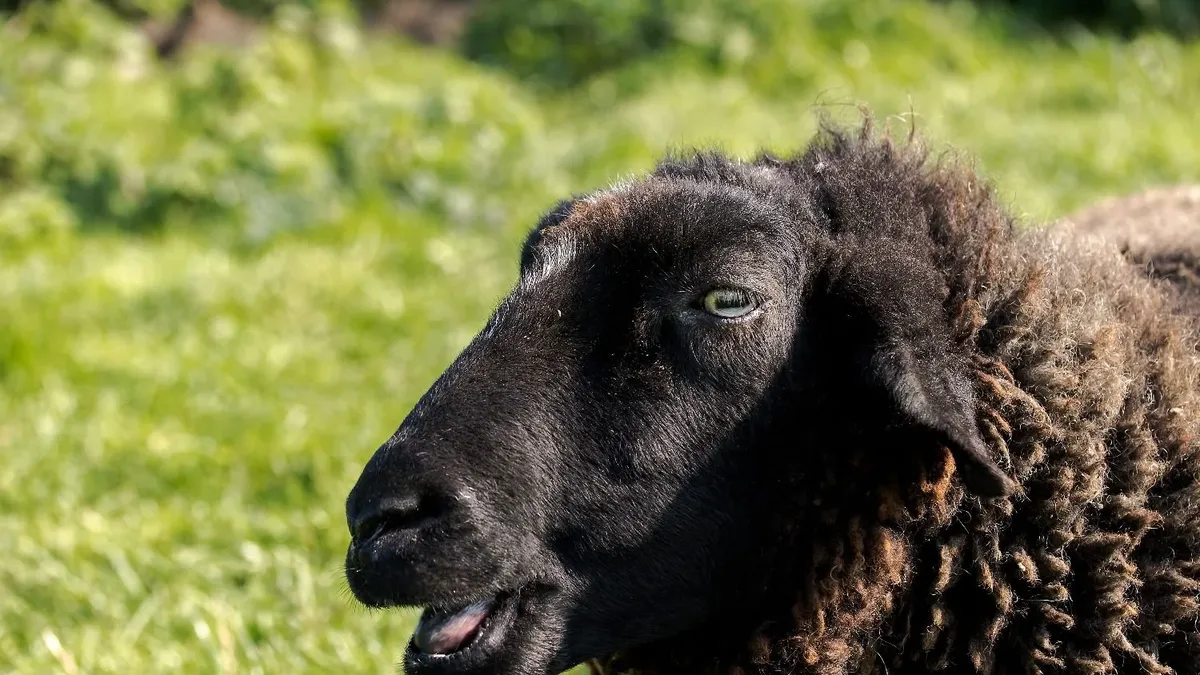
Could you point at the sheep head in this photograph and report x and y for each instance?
(604, 466)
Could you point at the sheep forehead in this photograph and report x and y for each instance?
(608, 213)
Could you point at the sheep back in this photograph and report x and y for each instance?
(1158, 228)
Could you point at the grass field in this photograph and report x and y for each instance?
(224, 281)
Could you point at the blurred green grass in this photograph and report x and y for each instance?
(223, 281)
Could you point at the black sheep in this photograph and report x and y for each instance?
(830, 414)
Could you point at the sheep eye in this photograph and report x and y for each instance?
(728, 303)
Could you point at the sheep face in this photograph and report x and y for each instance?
(591, 474)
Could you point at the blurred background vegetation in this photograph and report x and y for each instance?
(239, 239)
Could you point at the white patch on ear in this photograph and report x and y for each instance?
(620, 186)
(554, 256)
(551, 258)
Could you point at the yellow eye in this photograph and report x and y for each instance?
(728, 303)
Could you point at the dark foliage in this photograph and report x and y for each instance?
(566, 41)
(1124, 17)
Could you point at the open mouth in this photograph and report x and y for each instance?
(461, 639)
(445, 632)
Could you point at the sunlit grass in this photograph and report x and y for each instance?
(188, 392)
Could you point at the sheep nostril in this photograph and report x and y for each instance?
(395, 515)
(369, 529)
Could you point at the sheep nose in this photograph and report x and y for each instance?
(381, 518)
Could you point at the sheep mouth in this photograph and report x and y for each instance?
(444, 632)
(460, 639)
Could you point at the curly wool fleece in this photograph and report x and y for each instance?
(1088, 385)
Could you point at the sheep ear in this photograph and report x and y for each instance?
(928, 391)
(882, 310)
(554, 216)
